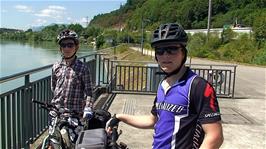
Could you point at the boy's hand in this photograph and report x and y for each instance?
(111, 123)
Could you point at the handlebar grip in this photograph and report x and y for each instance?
(38, 102)
(44, 104)
(114, 135)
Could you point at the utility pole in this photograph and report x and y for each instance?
(87, 20)
(209, 19)
(142, 32)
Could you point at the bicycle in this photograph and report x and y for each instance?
(63, 127)
(62, 121)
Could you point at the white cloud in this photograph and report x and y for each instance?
(23, 8)
(60, 22)
(52, 12)
(56, 7)
(83, 20)
(36, 23)
(40, 21)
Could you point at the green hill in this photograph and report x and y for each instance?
(192, 14)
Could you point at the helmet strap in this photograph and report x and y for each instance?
(173, 72)
(66, 58)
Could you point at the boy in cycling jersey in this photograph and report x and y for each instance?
(185, 113)
(71, 78)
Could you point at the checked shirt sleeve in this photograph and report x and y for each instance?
(53, 80)
(88, 88)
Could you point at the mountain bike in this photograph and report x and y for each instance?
(64, 127)
(67, 131)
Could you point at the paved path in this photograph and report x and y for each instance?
(244, 118)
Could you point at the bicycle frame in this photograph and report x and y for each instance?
(54, 136)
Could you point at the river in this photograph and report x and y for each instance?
(18, 57)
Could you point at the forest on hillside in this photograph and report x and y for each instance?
(124, 26)
(191, 14)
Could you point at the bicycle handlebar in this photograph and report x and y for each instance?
(113, 139)
(44, 104)
(50, 107)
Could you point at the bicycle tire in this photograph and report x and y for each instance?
(52, 145)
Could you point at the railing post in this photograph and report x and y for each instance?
(27, 80)
(27, 110)
(233, 91)
(111, 81)
(99, 69)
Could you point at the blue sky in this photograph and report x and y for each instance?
(24, 14)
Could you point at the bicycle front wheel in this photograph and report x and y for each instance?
(52, 145)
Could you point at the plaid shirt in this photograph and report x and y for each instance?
(71, 85)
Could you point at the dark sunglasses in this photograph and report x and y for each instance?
(69, 45)
(168, 50)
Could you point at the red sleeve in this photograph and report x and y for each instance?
(205, 101)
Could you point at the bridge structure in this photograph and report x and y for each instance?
(22, 122)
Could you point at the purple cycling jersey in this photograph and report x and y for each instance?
(182, 110)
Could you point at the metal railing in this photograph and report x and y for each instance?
(21, 121)
(141, 77)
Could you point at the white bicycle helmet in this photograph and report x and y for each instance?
(67, 34)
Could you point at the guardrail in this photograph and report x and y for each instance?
(21, 121)
(127, 77)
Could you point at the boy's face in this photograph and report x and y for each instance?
(68, 47)
(169, 57)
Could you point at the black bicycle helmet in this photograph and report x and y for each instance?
(171, 32)
(67, 34)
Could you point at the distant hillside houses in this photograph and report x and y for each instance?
(238, 30)
(8, 30)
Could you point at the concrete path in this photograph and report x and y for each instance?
(243, 121)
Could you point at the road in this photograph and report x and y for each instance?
(250, 80)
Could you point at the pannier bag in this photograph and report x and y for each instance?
(92, 139)
(99, 119)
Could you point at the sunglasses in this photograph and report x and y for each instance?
(67, 45)
(168, 50)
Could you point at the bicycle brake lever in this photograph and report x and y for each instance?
(120, 132)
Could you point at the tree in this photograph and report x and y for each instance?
(259, 28)
(76, 27)
(99, 41)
